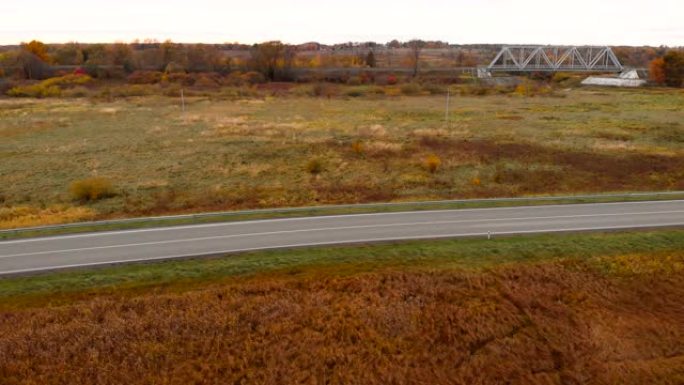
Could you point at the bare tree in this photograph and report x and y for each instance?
(416, 46)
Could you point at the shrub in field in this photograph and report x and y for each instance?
(314, 166)
(145, 77)
(50, 87)
(233, 79)
(65, 81)
(91, 189)
(207, 80)
(180, 78)
(354, 81)
(253, 77)
(434, 89)
(354, 92)
(432, 163)
(357, 147)
(323, 90)
(475, 90)
(27, 216)
(560, 77)
(77, 92)
(392, 80)
(531, 88)
(35, 91)
(410, 89)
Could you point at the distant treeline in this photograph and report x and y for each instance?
(275, 61)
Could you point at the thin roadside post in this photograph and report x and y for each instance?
(182, 101)
(446, 113)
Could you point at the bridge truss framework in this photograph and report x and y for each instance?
(526, 58)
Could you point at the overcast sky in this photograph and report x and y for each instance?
(612, 22)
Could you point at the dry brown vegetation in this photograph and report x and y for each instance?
(618, 321)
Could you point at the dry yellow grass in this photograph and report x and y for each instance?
(27, 216)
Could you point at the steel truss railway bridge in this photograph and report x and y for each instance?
(535, 58)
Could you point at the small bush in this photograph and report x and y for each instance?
(35, 91)
(392, 80)
(432, 163)
(354, 81)
(77, 92)
(180, 78)
(560, 77)
(357, 147)
(314, 166)
(91, 189)
(253, 77)
(67, 81)
(51, 87)
(354, 92)
(410, 89)
(531, 88)
(434, 89)
(475, 90)
(145, 77)
(323, 90)
(207, 81)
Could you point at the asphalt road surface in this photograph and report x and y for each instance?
(68, 251)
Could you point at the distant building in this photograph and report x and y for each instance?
(628, 78)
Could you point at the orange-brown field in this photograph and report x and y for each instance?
(553, 322)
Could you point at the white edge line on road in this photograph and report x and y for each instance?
(48, 252)
(369, 240)
(323, 217)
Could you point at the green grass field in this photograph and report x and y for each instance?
(228, 153)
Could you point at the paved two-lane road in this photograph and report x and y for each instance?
(40, 254)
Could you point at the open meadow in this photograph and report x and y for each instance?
(294, 145)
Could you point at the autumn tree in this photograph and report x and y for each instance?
(656, 71)
(204, 58)
(68, 54)
(668, 69)
(273, 59)
(120, 54)
(674, 68)
(33, 60)
(37, 48)
(95, 54)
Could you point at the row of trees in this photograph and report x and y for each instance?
(274, 60)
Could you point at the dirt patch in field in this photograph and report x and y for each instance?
(551, 323)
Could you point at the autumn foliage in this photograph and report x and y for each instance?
(657, 71)
(668, 70)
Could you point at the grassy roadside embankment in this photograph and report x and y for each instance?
(296, 212)
(457, 253)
